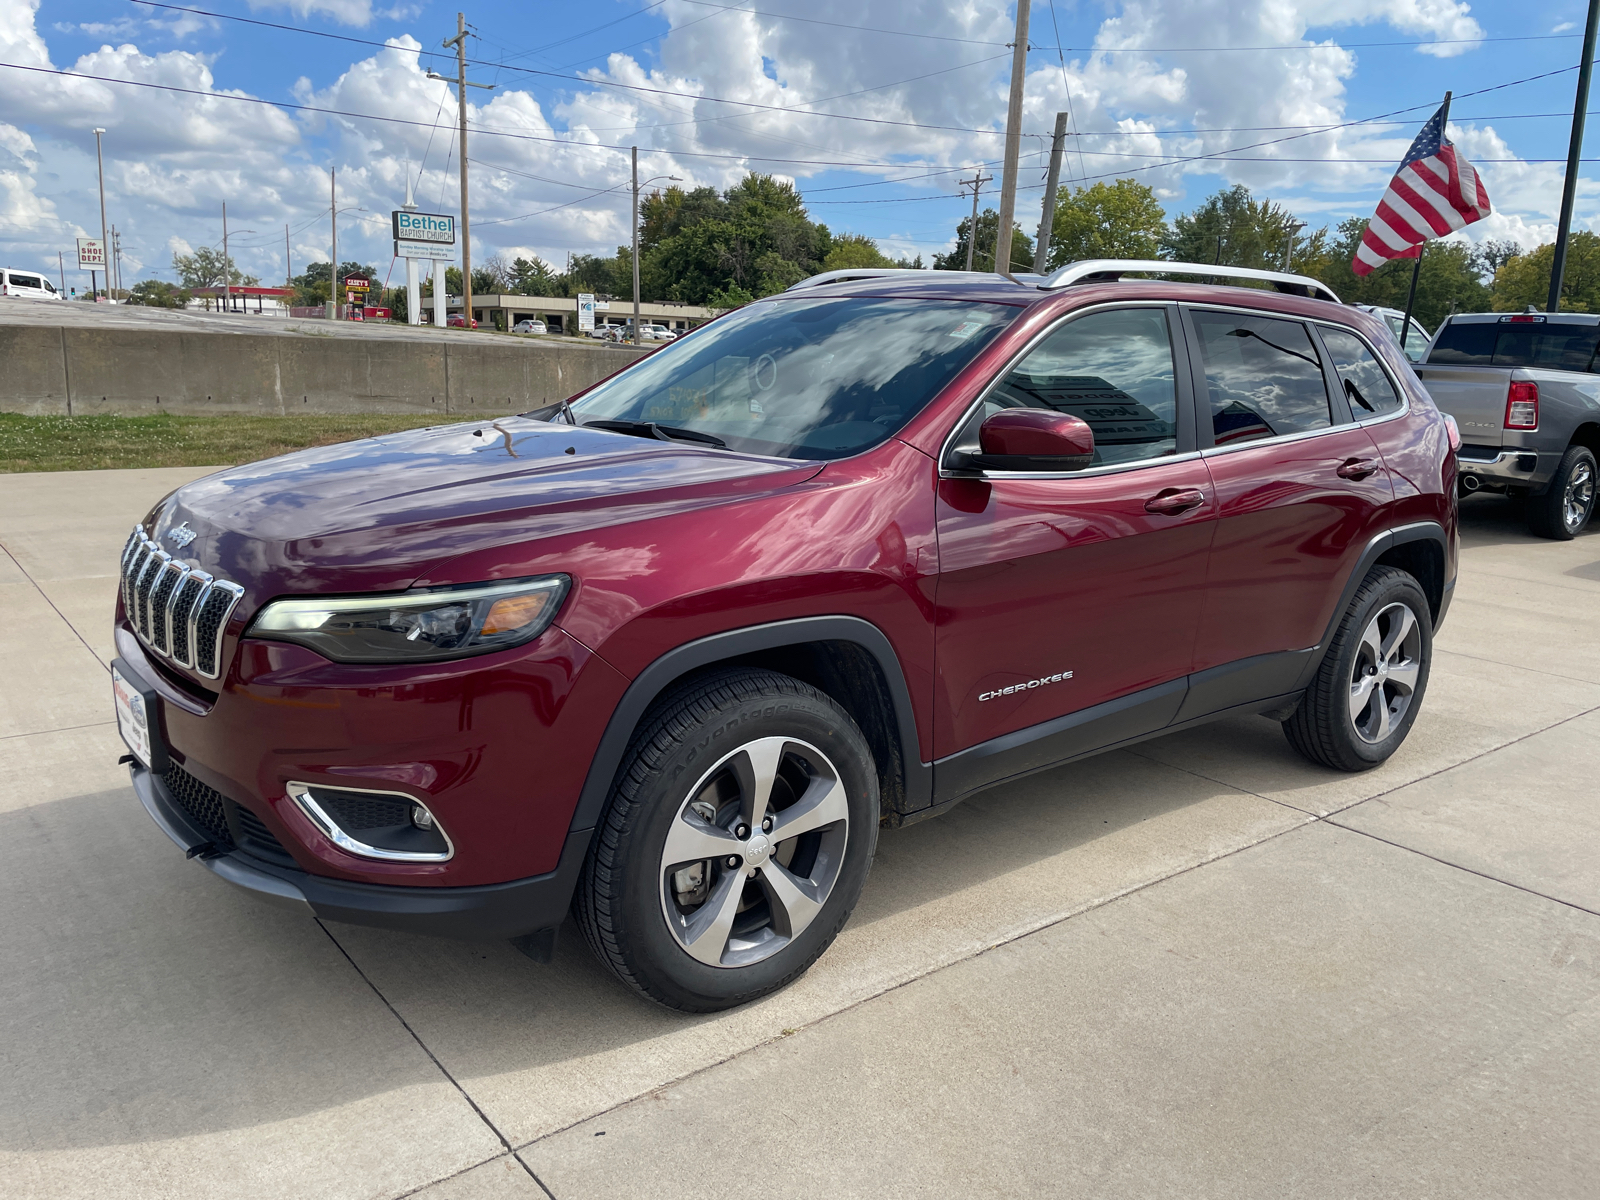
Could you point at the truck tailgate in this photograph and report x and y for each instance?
(1474, 396)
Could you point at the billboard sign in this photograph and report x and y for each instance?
(585, 311)
(91, 254)
(357, 284)
(424, 235)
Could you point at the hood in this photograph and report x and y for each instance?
(372, 515)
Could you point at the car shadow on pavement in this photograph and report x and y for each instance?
(146, 1000)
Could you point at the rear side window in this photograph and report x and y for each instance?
(27, 281)
(1368, 388)
(1556, 345)
(1263, 377)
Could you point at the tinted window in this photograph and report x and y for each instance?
(1263, 377)
(803, 378)
(1557, 345)
(27, 281)
(1365, 383)
(1111, 369)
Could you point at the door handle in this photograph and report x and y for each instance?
(1174, 501)
(1355, 468)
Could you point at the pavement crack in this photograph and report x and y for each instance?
(1460, 867)
(432, 1057)
(1495, 662)
(45, 596)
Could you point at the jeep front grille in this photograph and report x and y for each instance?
(178, 611)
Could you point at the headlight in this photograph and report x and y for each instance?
(422, 626)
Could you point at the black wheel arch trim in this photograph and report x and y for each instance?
(1381, 544)
(651, 682)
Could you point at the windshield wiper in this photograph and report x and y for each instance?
(664, 433)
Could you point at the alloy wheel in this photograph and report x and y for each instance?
(1384, 680)
(753, 852)
(1579, 497)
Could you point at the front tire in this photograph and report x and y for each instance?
(738, 836)
(1370, 685)
(1565, 508)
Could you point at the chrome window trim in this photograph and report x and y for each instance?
(1405, 396)
(946, 472)
(300, 793)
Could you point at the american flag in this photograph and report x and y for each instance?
(1434, 192)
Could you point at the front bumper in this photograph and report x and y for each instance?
(491, 912)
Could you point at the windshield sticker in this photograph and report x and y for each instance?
(966, 329)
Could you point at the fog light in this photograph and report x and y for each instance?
(421, 817)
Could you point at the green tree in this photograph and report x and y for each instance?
(158, 293)
(1448, 281)
(1525, 278)
(1235, 229)
(1122, 219)
(983, 252)
(854, 251)
(536, 278)
(204, 268)
(1490, 255)
(315, 286)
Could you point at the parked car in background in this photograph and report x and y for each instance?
(27, 285)
(1525, 390)
(658, 333)
(529, 327)
(670, 653)
(1416, 345)
(458, 321)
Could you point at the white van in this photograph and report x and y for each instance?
(30, 284)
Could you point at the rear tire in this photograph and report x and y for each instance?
(1366, 693)
(684, 895)
(1565, 508)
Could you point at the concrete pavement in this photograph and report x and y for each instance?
(1201, 968)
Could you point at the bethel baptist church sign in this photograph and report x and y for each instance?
(424, 235)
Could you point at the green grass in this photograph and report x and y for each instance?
(101, 443)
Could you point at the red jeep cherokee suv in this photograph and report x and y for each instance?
(668, 655)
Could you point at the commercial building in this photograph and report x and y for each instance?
(560, 313)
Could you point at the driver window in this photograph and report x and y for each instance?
(1114, 370)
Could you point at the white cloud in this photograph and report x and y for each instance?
(1563, 27)
(172, 159)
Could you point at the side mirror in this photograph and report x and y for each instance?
(1033, 439)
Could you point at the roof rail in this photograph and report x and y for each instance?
(1107, 270)
(853, 273)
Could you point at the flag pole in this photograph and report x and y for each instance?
(1416, 267)
(1569, 189)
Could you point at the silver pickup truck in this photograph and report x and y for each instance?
(1525, 390)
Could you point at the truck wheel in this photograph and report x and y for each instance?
(1563, 511)
(738, 837)
(1366, 694)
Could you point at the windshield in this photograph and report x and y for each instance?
(814, 378)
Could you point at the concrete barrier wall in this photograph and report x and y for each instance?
(52, 369)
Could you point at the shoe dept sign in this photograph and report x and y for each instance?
(424, 235)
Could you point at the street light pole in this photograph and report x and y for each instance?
(100, 163)
(637, 331)
(227, 274)
(1569, 189)
(1288, 252)
(333, 273)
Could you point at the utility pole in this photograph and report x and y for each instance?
(61, 265)
(1569, 189)
(976, 183)
(227, 264)
(1047, 218)
(636, 338)
(1008, 173)
(116, 260)
(462, 84)
(288, 266)
(100, 163)
(333, 273)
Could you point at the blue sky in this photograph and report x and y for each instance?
(908, 94)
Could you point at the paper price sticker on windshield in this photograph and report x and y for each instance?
(966, 329)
